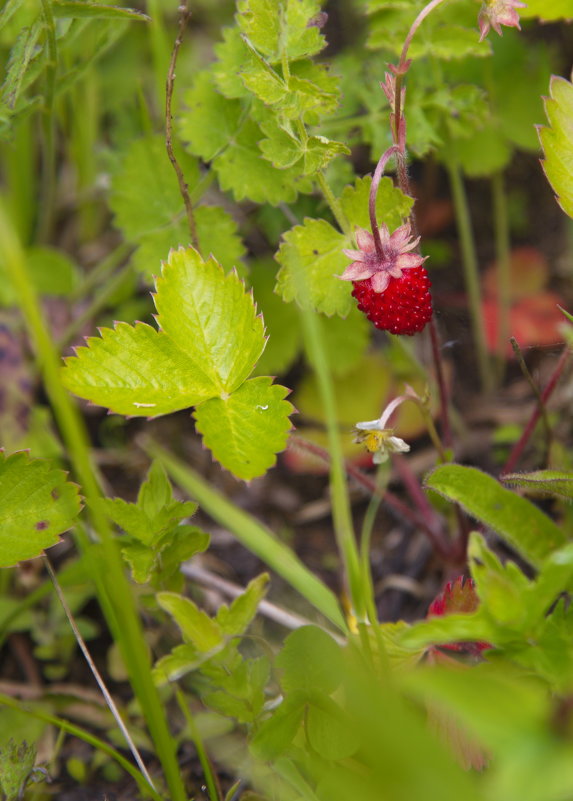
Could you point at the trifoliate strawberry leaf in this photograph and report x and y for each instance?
(218, 129)
(247, 429)
(210, 318)
(311, 256)
(37, 504)
(137, 371)
(277, 27)
(557, 142)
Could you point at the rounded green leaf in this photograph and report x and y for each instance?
(246, 430)
(37, 504)
(311, 661)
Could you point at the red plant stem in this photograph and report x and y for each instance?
(416, 518)
(376, 178)
(519, 446)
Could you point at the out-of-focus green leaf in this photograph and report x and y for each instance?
(37, 504)
(557, 142)
(310, 660)
(234, 619)
(196, 626)
(545, 482)
(79, 9)
(519, 522)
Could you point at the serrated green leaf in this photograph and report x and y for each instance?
(137, 371)
(392, 205)
(156, 493)
(196, 626)
(140, 559)
(235, 619)
(502, 588)
(79, 9)
(143, 197)
(232, 57)
(319, 151)
(217, 233)
(246, 430)
(447, 629)
(280, 147)
(242, 171)
(519, 522)
(557, 142)
(483, 153)
(210, 318)
(277, 27)
(37, 504)
(310, 660)
(550, 482)
(311, 258)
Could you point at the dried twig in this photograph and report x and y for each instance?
(184, 15)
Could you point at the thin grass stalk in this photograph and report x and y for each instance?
(502, 252)
(213, 788)
(471, 271)
(47, 205)
(105, 562)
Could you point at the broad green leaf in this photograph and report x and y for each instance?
(211, 121)
(137, 371)
(217, 233)
(209, 316)
(218, 129)
(319, 151)
(276, 734)
(557, 142)
(447, 629)
(545, 482)
(235, 619)
(246, 430)
(310, 661)
(52, 272)
(547, 12)
(311, 260)
(78, 8)
(196, 626)
(519, 522)
(345, 340)
(483, 153)
(329, 730)
(392, 205)
(232, 57)
(37, 504)
(277, 27)
(145, 196)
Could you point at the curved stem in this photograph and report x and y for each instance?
(376, 178)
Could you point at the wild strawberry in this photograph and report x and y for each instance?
(390, 283)
(405, 305)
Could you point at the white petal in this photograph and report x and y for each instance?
(397, 445)
(380, 281)
(407, 260)
(355, 255)
(357, 271)
(369, 425)
(364, 240)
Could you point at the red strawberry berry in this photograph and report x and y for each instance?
(390, 283)
(404, 307)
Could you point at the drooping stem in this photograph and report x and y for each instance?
(470, 268)
(376, 178)
(184, 15)
(519, 446)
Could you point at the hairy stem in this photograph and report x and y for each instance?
(184, 15)
(376, 178)
(519, 446)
